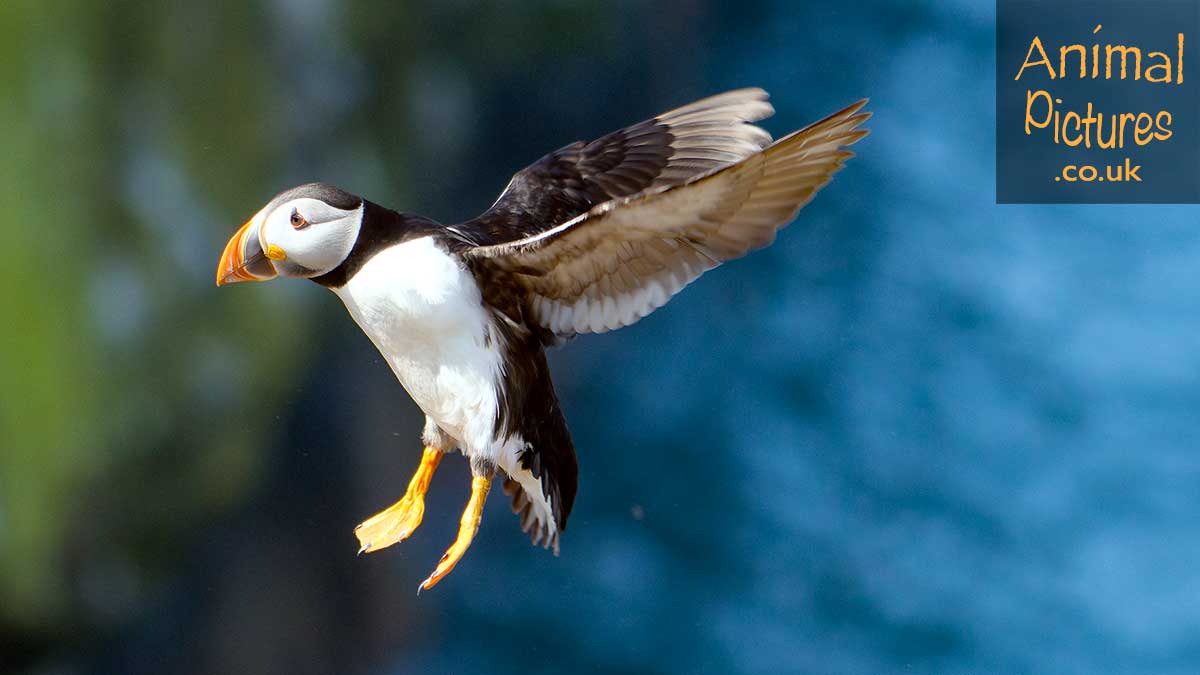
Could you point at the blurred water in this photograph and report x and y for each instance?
(920, 433)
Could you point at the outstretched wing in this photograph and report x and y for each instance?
(666, 150)
(626, 257)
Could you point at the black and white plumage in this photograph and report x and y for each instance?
(590, 238)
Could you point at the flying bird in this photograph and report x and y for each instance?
(588, 239)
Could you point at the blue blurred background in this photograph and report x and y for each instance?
(921, 433)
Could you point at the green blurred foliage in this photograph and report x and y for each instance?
(118, 356)
(137, 137)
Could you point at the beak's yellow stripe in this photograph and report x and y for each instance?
(276, 253)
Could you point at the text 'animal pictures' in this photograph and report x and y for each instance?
(1095, 102)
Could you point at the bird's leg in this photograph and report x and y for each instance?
(481, 483)
(395, 523)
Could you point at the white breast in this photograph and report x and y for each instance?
(422, 309)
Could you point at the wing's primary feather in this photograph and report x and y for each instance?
(665, 150)
(625, 257)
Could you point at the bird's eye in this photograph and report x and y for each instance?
(298, 220)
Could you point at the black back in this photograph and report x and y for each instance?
(528, 404)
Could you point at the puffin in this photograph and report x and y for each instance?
(590, 238)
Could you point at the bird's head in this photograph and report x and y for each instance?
(303, 232)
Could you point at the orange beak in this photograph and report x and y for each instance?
(243, 258)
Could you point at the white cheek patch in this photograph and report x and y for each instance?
(321, 245)
(325, 245)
